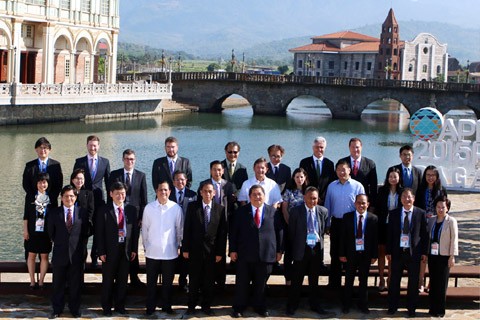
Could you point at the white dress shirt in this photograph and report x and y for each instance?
(272, 191)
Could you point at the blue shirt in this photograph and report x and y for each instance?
(340, 198)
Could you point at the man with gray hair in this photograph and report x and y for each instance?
(320, 170)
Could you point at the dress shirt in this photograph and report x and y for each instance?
(352, 162)
(272, 191)
(177, 194)
(254, 209)
(65, 213)
(115, 207)
(43, 165)
(340, 198)
(162, 230)
(125, 175)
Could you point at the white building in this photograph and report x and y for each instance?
(424, 58)
(58, 41)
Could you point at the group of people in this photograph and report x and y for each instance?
(263, 218)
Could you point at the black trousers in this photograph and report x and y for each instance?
(360, 262)
(335, 277)
(310, 265)
(257, 273)
(134, 265)
(71, 274)
(400, 263)
(439, 273)
(167, 269)
(114, 279)
(201, 277)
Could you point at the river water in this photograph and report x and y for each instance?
(201, 139)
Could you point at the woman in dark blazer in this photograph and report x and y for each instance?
(388, 198)
(37, 242)
(443, 247)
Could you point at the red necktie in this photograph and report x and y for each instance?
(355, 167)
(69, 223)
(360, 228)
(257, 217)
(120, 218)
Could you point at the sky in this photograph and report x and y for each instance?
(175, 22)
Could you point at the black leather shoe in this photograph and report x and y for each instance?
(290, 312)
(208, 311)
(391, 311)
(107, 313)
(168, 310)
(190, 312)
(262, 313)
(149, 312)
(411, 314)
(319, 310)
(76, 314)
(54, 315)
(236, 314)
(345, 310)
(121, 311)
(364, 310)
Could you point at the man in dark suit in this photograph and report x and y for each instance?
(204, 245)
(97, 172)
(136, 184)
(235, 172)
(255, 244)
(411, 175)
(43, 163)
(306, 228)
(67, 227)
(163, 168)
(183, 196)
(364, 169)
(117, 233)
(358, 250)
(277, 171)
(407, 246)
(225, 196)
(320, 170)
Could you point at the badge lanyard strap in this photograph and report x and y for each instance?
(439, 231)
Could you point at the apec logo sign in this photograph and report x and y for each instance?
(453, 146)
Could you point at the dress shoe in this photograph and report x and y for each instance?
(149, 312)
(137, 283)
(168, 310)
(76, 314)
(433, 314)
(107, 313)
(391, 311)
(290, 312)
(411, 314)
(236, 314)
(345, 310)
(208, 311)
(319, 310)
(121, 310)
(54, 315)
(262, 313)
(364, 310)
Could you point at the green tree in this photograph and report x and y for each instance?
(212, 67)
(283, 69)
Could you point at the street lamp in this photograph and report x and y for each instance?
(468, 70)
(179, 62)
(233, 60)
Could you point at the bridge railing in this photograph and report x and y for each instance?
(331, 81)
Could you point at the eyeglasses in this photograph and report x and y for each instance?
(275, 156)
(129, 159)
(232, 152)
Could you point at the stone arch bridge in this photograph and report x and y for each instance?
(345, 97)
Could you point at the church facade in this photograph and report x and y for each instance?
(58, 41)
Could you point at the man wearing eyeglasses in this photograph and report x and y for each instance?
(235, 172)
(277, 171)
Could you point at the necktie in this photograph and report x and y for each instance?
(43, 167)
(180, 198)
(121, 218)
(93, 168)
(127, 180)
(407, 178)
(206, 216)
(360, 227)
(311, 222)
(218, 195)
(231, 169)
(319, 168)
(406, 224)
(355, 167)
(172, 167)
(69, 222)
(257, 217)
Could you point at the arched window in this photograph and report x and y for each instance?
(439, 69)
(410, 67)
(395, 52)
(395, 66)
(424, 68)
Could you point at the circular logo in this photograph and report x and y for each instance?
(426, 123)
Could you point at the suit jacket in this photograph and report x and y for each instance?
(418, 233)
(254, 244)
(136, 194)
(327, 176)
(297, 229)
(189, 197)
(227, 197)
(420, 196)
(448, 237)
(347, 241)
(68, 247)
(55, 184)
(85, 200)
(161, 171)
(283, 175)
(239, 174)
(416, 174)
(201, 243)
(106, 231)
(102, 175)
(367, 176)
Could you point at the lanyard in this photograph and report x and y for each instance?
(432, 233)
(364, 224)
(315, 221)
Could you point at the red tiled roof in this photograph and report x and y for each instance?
(347, 35)
(362, 47)
(325, 47)
(315, 48)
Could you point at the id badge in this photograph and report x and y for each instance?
(121, 236)
(359, 244)
(311, 239)
(404, 241)
(39, 225)
(434, 249)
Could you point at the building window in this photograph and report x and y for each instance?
(424, 68)
(300, 63)
(86, 5)
(380, 51)
(319, 64)
(299, 72)
(331, 64)
(65, 4)
(439, 69)
(389, 52)
(369, 66)
(389, 29)
(395, 66)
(67, 68)
(345, 65)
(318, 74)
(357, 65)
(87, 71)
(410, 67)
(389, 40)
(425, 50)
(37, 2)
(27, 31)
(331, 74)
(395, 40)
(105, 7)
(395, 52)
